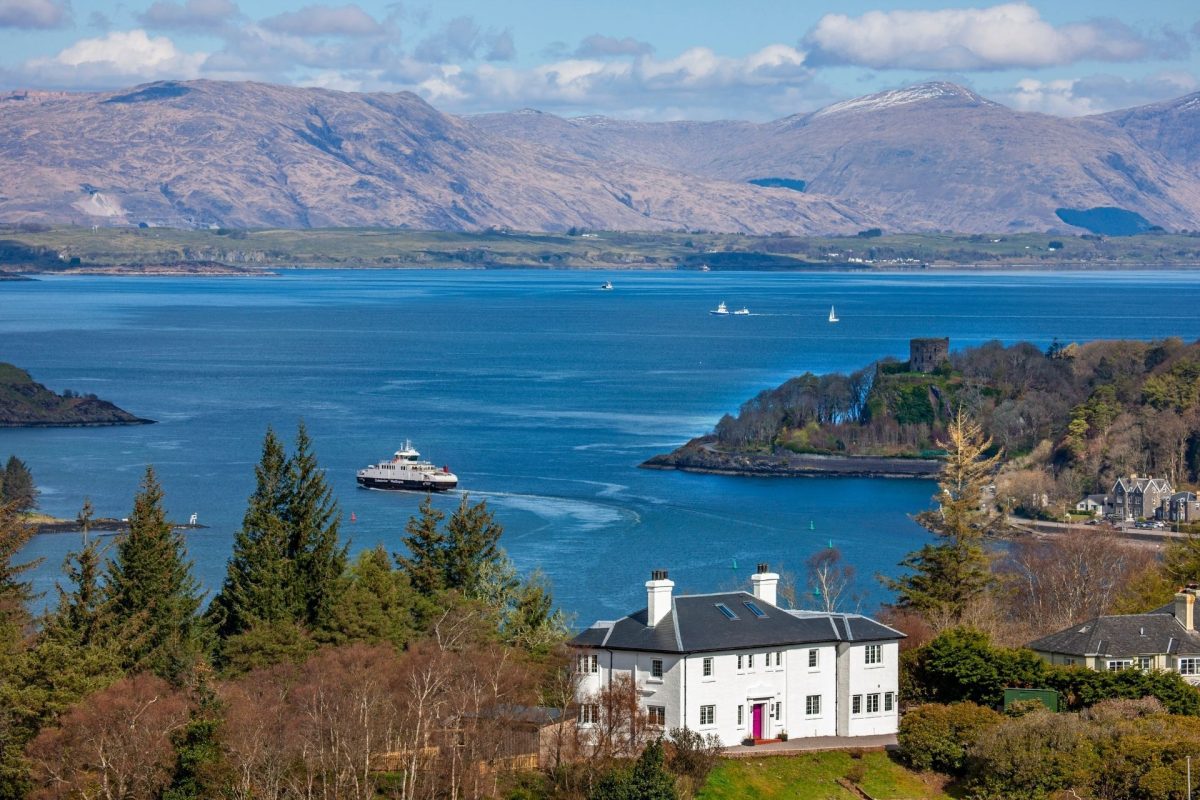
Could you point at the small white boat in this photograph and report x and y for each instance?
(742, 312)
(606, 286)
(833, 317)
(704, 268)
(720, 310)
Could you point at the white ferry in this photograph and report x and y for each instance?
(406, 470)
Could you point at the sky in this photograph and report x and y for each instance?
(632, 59)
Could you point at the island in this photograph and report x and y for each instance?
(1071, 421)
(25, 403)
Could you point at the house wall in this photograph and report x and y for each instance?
(869, 679)
(683, 689)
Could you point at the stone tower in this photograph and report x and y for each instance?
(924, 355)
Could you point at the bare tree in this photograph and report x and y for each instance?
(116, 745)
(831, 582)
(1053, 582)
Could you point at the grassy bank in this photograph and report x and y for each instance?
(814, 776)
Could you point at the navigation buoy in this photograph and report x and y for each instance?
(352, 517)
(812, 526)
(735, 565)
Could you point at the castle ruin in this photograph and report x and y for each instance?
(926, 355)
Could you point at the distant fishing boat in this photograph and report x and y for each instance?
(606, 286)
(833, 317)
(742, 312)
(720, 310)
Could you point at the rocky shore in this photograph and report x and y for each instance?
(702, 455)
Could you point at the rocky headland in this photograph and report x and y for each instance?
(25, 403)
(703, 454)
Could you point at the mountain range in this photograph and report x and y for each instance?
(935, 156)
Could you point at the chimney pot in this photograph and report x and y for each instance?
(1185, 608)
(658, 596)
(764, 585)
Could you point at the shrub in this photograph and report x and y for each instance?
(1032, 756)
(936, 737)
(692, 754)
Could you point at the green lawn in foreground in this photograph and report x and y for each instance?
(813, 776)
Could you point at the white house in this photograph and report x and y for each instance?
(737, 665)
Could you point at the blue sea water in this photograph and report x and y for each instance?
(541, 391)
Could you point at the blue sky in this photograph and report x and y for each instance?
(651, 59)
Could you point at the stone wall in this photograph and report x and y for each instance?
(925, 355)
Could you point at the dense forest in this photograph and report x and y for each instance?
(1069, 420)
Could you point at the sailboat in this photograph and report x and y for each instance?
(833, 317)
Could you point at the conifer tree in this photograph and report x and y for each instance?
(318, 558)
(17, 709)
(426, 545)
(259, 577)
(17, 487)
(947, 576)
(376, 605)
(472, 540)
(150, 588)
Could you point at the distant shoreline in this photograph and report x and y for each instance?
(699, 455)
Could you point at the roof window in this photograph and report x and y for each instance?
(754, 609)
(726, 610)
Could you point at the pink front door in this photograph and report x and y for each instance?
(757, 720)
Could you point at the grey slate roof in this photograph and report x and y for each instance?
(1124, 636)
(694, 624)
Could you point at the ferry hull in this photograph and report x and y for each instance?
(395, 484)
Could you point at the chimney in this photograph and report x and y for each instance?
(764, 584)
(1185, 606)
(658, 596)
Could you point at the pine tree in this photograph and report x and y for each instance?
(312, 528)
(151, 589)
(19, 711)
(426, 544)
(17, 486)
(472, 540)
(376, 605)
(947, 576)
(259, 576)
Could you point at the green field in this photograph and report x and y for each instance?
(46, 248)
(813, 776)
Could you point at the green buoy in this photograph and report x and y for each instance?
(812, 525)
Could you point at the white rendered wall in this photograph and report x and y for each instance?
(865, 679)
(683, 689)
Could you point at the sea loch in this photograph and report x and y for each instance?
(540, 391)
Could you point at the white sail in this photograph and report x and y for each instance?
(833, 317)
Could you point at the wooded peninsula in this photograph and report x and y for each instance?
(1069, 420)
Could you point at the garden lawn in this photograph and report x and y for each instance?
(813, 776)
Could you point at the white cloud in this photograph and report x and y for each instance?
(189, 15)
(1096, 94)
(600, 46)
(999, 37)
(319, 20)
(115, 59)
(461, 39)
(34, 14)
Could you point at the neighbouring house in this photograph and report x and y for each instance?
(1182, 507)
(1165, 638)
(1138, 497)
(737, 665)
(1094, 504)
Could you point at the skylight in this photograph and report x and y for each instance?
(726, 610)
(754, 609)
